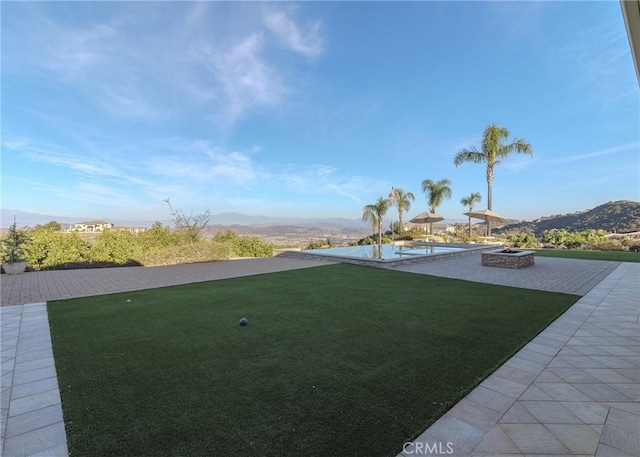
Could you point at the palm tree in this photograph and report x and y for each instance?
(374, 214)
(403, 203)
(435, 193)
(470, 201)
(493, 152)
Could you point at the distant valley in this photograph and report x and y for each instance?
(620, 216)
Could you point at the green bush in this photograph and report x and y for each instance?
(523, 240)
(319, 244)
(202, 251)
(48, 249)
(244, 246)
(114, 247)
(572, 240)
(13, 244)
(608, 245)
(158, 236)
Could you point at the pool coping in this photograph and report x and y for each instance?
(386, 263)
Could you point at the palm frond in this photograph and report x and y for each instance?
(468, 155)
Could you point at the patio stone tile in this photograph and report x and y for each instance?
(607, 451)
(589, 412)
(531, 356)
(516, 375)
(463, 435)
(585, 361)
(572, 375)
(535, 346)
(518, 414)
(35, 441)
(491, 399)
(607, 375)
(623, 419)
(628, 389)
(568, 350)
(502, 385)
(525, 365)
(592, 350)
(34, 355)
(534, 438)
(562, 391)
(475, 414)
(496, 442)
(621, 350)
(33, 402)
(601, 392)
(613, 361)
(33, 375)
(534, 392)
(632, 373)
(547, 376)
(579, 439)
(429, 444)
(35, 387)
(550, 412)
(34, 364)
(57, 451)
(620, 438)
(629, 406)
(33, 420)
(560, 362)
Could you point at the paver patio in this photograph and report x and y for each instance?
(573, 390)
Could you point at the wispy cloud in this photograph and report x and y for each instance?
(307, 41)
(140, 70)
(55, 155)
(602, 152)
(246, 81)
(324, 179)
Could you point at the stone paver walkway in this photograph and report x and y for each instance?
(570, 276)
(42, 286)
(31, 414)
(573, 390)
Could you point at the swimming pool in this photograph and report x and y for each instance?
(389, 251)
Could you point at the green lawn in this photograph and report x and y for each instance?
(338, 360)
(617, 256)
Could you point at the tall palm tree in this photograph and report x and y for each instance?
(435, 193)
(403, 203)
(374, 214)
(493, 152)
(470, 201)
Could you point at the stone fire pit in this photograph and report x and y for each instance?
(507, 258)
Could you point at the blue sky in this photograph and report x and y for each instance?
(312, 109)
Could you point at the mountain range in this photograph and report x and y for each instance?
(621, 216)
(29, 219)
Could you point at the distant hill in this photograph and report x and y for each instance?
(24, 218)
(621, 217)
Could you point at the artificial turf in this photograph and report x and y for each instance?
(338, 360)
(616, 256)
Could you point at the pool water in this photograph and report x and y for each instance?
(389, 251)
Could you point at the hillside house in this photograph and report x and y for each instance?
(91, 227)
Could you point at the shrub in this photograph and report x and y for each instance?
(13, 244)
(55, 250)
(608, 245)
(202, 251)
(319, 244)
(244, 246)
(114, 246)
(523, 240)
